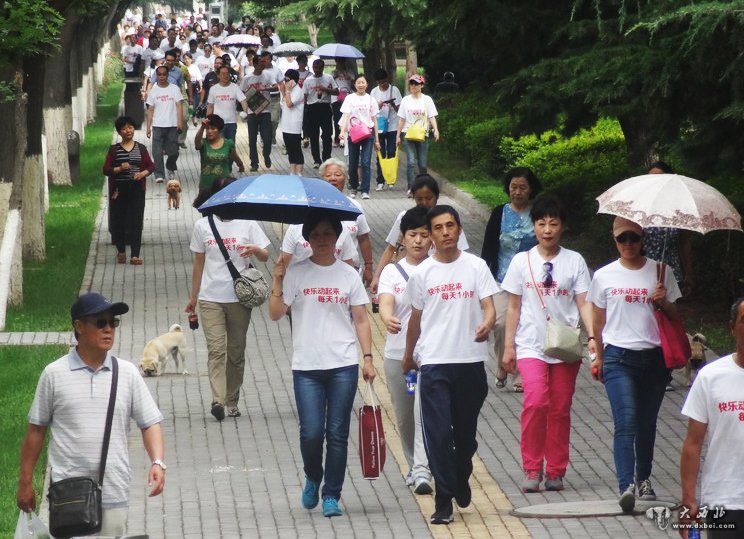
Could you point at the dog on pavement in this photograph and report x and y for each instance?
(697, 358)
(156, 352)
(173, 188)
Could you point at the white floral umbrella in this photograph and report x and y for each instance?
(670, 200)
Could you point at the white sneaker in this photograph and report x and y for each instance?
(352, 194)
(379, 187)
(159, 180)
(365, 196)
(171, 174)
(422, 486)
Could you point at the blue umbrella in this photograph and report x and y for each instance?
(279, 198)
(337, 50)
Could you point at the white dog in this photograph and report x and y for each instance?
(156, 352)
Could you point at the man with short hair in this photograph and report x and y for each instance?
(452, 313)
(130, 54)
(164, 123)
(222, 101)
(72, 398)
(318, 89)
(714, 409)
(175, 76)
(171, 41)
(259, 122)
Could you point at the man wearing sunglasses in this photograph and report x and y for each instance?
(72, 397)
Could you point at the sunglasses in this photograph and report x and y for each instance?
(548, 269)
(101, 323)
(628, 237)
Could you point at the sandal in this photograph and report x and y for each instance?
(517, 387)
(501, 382)
(121, 258)
(135, 261)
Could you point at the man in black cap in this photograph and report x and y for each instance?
(72, 397)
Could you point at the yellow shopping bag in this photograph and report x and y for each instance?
(389, 167)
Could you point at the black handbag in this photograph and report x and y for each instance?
(75, 503)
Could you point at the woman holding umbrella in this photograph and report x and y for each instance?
(629, 359)
(329, 314)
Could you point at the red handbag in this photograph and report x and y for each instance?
(674, 341)
(371, 437)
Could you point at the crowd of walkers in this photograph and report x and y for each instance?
(440, 304)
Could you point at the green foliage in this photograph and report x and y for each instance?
(27, 28)
(257, 10)
(20, 367)
(482, 141)
(7, 91)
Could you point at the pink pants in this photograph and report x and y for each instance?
(546, 414)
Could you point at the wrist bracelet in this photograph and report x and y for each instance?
(280, 294)
(367, 355)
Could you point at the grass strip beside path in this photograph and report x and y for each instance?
(20, 367)
(50, 287)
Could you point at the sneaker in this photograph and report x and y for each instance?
(310, 496)
(646, 491)
(532, 481)
(268, 163)
(159, 180)
(669, 387)
(365, 196)
(171, 174)
(409, 479)
(218, 411)
(627, 498)
(422, 486)
(316, 166)
(465, 495)
(352, 193)
(254, 169)
(409, 194)
(554, 483)
(331, 508)
(284, 150)
(233, 411)
(442, 512)
(380, 187)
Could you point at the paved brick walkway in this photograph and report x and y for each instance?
(242, 477)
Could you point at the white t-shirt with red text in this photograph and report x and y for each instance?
(163, 102)
(362, 107)
(716, 399)
(570, 277)
(357, 228)
(312, 87)
(321, 297)
(217, 283)
(392, 282)
(449, 297)
(414, 109)
(626, 295)
(294, 244)
(225, 99)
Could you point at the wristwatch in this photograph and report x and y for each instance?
(160, 463)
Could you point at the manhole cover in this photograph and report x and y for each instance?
(599, 508)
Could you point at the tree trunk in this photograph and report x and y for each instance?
(312, 32)
(641, 140)
(411, 58)
(33, 166)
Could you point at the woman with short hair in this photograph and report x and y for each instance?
(218, 154)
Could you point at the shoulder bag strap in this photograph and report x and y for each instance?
(233, 272)
(401, 270)
(109, 418)
(537, 290)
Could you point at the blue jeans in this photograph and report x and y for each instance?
(360, 155)
(635, 381)
(387, 149)
(416, 153)
(324, 400)
(229, 131)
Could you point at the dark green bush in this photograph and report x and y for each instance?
(482, 140)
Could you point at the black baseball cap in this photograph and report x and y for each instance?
(94, 303)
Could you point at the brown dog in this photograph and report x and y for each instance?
(173, 188)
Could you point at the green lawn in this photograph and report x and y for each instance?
(20, 367)
(69, 229)
(298, 32)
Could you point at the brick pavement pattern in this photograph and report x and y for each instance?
(242, 477)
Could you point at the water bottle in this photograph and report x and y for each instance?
(411, 377)
(694, 533)
(375, 304)
(193, 321)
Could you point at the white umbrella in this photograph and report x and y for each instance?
(338, 50)
(293, 48)
(241, 40)
(670, 200)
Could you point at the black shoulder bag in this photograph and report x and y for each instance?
(250, 285)
(75, 503)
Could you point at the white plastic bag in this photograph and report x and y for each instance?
(30, 526)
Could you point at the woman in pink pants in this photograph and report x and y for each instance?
(558, 278)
